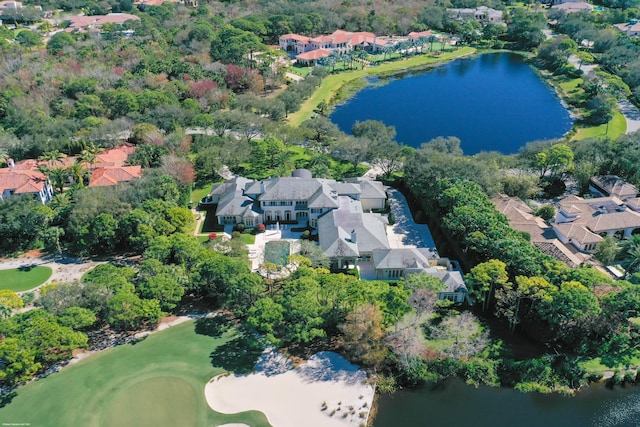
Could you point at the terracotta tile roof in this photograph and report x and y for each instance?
(297, 37)
(314, 54)
(79, 22)
(112, 175)
(114, 156)
(21, 181)
(416, 35)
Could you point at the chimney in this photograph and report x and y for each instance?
(10, 163)
(353, 236)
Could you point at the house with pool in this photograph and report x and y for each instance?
(347, 217)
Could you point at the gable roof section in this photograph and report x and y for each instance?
(577, 232)
(113, 175)
(314, 55)
(21, 181)
(338, 224)
(402, 258)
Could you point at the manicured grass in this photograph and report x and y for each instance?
(617, 126)
(157, 382)
(331, 84)
(200, 191)
(23, 279)
(598, 366)
(248, 239)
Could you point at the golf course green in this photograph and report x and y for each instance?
(157, 382)
(23, 279)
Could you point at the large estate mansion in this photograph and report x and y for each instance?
(351, 232)
(309, 50)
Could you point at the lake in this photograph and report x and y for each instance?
(492, 102)
(454, 404)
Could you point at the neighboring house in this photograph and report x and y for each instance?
(113, 175)
(521, 218)
(573, 6)
(309, 50)
(81, 23)
(585, 222)
(299, 198)
(348, 234)
(631, 29)
(108, 169)
(19, 179)
(484, 15)
(611, 185)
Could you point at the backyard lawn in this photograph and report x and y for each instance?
(23, 279)
(617, 126)
(157, 382)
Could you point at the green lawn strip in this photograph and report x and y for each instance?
(23, 279)
(597, 366)
(157, 382)
(617, 127)
(331, 84)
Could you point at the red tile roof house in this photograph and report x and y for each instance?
(20, 179)
(309, 50)
(81, 23)
(113, 175)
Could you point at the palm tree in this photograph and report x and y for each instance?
(51, 157)
(88, 157)
(431, 39)
(77, 172)
(630, 254)
(58, 177)
(4, 156)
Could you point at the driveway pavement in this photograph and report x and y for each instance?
(405, 232)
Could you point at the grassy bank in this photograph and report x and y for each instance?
(157, 382)
(331, 85)
(617, 126)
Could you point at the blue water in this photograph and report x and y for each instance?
(494, 102)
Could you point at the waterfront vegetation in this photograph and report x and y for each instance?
(190, 67)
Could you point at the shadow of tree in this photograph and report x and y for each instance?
(212, 326)
(238, 355)
(6, 398)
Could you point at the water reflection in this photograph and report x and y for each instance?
(454, 404)
(494, 102)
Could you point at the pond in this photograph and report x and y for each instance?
(492, 102)
(454, 404)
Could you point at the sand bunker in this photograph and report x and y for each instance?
(325, 391)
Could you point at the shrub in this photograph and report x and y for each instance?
(236, 235)
(305, 235)
(239, 228)
(392, 218)
(213, 236)
(261, 228)
(546, 212)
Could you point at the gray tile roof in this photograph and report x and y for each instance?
(402, 258)
(336, 227)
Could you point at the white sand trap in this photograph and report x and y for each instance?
(234, 425)
(318, 394)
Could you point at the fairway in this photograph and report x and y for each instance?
(23, 279)
(157, 382)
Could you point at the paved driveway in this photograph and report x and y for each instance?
(405, 232)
